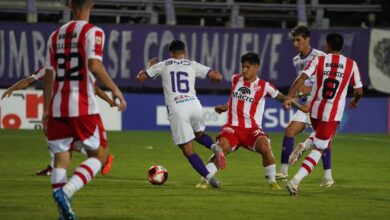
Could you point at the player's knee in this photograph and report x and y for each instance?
(198, 135)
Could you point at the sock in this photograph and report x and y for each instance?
(206, 141)
(328, 174)
(270, 172)
(82, 175)
(308, 165)
(83, 151)
(212, 169)
(58, 178)
(51, 159)
(284, 168)
(288, 145)
(326, 159)
(308, 144)
(198, 165)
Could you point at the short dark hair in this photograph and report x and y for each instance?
(335, 41)
(251, 57)
(300, 30)
(177, 46)
(79, 3)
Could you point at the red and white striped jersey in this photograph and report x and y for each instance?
(332, 73)
(69, 49)
(39, 73)
(246, 102)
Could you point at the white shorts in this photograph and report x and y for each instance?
(185, 119)
(300, 116)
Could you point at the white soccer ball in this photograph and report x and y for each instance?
(157, 175)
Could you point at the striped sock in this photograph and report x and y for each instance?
(58, 178)
(308, 165)
(82, 175)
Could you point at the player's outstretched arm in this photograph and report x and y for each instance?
(98, 70)
(48, 81)
(214, 76)
(142, 75)
(22, 84)
(294, 89)
(104, 96)
(282, 98)
(358, 93)
(221, 108)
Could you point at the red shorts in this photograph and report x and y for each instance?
(88, 129)
(324, 132)
(245, 137)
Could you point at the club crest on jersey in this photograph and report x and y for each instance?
(243, 93)
(98, 40)
(257, 87)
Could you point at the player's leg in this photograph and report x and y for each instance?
(296, 126)
(327, 181)
(324, 131)
(262, 145)
(59, 138)
(207, 141)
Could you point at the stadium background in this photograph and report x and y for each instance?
(217, 33)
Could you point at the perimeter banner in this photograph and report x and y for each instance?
(379, 60)
(128, 48)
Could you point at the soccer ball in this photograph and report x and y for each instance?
(157, 175)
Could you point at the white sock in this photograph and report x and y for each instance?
(284, 168)
(270, 172)
(328, 174)
(212, 169)
(82, 175)
(308, 144)
(308, 165)
(83, 151)
(58, 178)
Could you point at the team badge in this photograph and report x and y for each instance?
(257, 88)
(98, 40)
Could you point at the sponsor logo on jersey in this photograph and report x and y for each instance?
(98, 40)
(183, 98)
(243, 93)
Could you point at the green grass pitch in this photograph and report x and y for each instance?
(361, 168)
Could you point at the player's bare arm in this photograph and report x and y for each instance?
(214, 76)
(358, 93)
(48, 81)
(221, 108)
(281, 98)
(104, 96)
(99, 71)
(293, 90)
(142, 75)
(22, 84)
(304, 90)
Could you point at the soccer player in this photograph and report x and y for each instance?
(331, 73)
(38, 75)
(185, 112)
(74, 63)
(300, 36)
(245, 112)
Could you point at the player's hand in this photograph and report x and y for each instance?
(152, 62)
(221, 108)
(119, 100)
(7, 93)
(352, 104)
(287, 103)
(305, 108)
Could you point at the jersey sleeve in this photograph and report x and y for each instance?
(311, 67)
(95, 44)
(155, 70)
(271, 90)
(356, 80)
(39, 73)
(201, 71)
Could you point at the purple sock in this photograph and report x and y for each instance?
(198, 165)
(326, 159)
(205, 140)
(288, 145)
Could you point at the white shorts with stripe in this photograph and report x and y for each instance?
(300, 116)
(185, 118)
